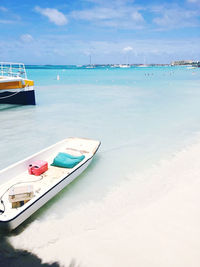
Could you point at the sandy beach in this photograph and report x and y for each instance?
(155, 225)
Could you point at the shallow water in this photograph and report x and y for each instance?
(143, 117)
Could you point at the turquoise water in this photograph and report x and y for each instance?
(141, 115)
(142, 109)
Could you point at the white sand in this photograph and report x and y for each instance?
(151, 219)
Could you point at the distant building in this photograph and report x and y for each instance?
(184, 62)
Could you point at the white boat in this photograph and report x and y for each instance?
(143, 66)
(41, 188)
(124, 66)
(15, 87)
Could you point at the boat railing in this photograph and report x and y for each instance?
(13, 69)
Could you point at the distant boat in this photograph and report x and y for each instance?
(114, 66)
(90, 67)
(143, 66)
(23, 193)
(15, 88)
(124, 66)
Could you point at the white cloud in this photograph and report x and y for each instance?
(137, 16)
(120, 16)
(111, 3)
(6, 21)
(8, 17)
(3, 9)
(168, 17)
(127, 49)
(96, 14)
(59, 49)
(53, 15)
(193, 1)
(26, 38)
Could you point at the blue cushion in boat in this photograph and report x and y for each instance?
(65, 160)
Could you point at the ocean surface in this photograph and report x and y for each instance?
(137, 204)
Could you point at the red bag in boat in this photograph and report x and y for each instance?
(38, 167)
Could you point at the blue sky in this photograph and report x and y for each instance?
(111, 31)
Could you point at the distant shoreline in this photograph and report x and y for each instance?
(49, 66)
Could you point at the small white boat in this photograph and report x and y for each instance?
(37, 190)
(15, 88)
(143, 66)
(124, 66)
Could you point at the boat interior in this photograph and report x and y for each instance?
(21, 178)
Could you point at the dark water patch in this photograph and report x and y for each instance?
(10, 257)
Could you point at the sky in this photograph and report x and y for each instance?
(105, 31)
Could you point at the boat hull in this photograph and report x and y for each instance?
(20, 218)
(26, 97)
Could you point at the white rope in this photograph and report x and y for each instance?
(10, 95)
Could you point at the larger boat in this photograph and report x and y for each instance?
(15, 87)
(35, 180)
